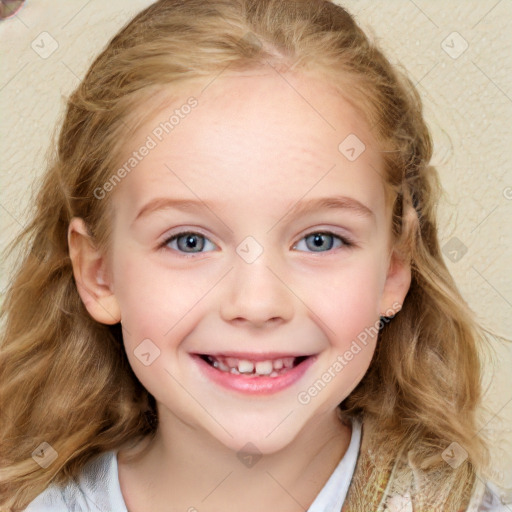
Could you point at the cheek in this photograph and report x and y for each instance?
(347, 300)
(347, 303)
(153, 300)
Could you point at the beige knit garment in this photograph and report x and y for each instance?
(383, 483)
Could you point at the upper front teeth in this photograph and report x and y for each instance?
(261, 367)
(246, 366)
(233, 365)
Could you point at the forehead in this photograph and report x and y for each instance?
(247, 134)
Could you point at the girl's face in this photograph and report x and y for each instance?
(218, 251)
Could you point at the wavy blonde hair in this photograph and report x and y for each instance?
(65, 378)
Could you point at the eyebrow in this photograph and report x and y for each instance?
(299, 208)
(331, 203)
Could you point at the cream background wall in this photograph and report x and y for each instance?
(458, 53)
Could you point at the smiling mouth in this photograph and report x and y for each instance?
(260, 368)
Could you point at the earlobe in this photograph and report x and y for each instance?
(398, 282)
(89, 271)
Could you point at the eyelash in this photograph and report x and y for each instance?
(347, 243)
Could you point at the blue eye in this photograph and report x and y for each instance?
(187, 241)
(323, 240)
(190, 242)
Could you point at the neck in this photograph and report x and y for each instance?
(211, 475)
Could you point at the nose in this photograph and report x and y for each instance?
(257, 294)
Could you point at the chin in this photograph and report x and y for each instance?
(256, 441)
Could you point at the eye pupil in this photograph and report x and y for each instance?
(321, 240)
(190, 242)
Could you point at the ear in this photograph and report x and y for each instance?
(398, 281)
(89, 270)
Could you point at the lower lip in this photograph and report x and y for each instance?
(255, 385)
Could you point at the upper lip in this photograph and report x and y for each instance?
(253, 356)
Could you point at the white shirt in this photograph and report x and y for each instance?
(98, 488)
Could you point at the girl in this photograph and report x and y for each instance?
(177, 336)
